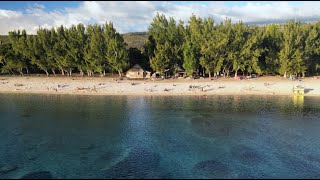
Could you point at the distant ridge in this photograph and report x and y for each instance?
(135, 33)
(135, 39)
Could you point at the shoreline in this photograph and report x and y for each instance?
(107, 86)
(145, 94)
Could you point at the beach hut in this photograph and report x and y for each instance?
(136, 72)
(179, 72)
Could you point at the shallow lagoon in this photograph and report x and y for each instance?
(65, 136)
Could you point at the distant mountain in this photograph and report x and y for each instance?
(133, 39)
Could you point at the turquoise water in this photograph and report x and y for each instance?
(64, 136)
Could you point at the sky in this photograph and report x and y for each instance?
(135, 16)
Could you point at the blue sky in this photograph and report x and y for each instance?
(130, 16)
(49, 5)
(54, 5)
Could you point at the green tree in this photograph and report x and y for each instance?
(239, 38)
(271, 44)
(76, 39)
(163, 34)
(161, 59)
(20, 49)
(38, 54)
(227, 30)
(213, 47)
(194, 34)
(252, 50)
(189, 56)
(116, 52)
(10, 60)
(291, 55)
(312, 48)
(95, 50)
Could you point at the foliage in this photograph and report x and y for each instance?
(199, 45)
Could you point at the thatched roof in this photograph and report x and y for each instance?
(136, 68)
(178, 68)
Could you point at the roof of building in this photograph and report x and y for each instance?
(136, 68)
(178, 68)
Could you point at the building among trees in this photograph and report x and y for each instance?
(136, 72)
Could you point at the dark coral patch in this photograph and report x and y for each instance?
(209, 127)
(139, 164)
(38, 175)
(247, 155)
(211, 169)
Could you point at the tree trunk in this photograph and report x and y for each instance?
(70, 72)
(303, 74)
(27, 70)
(224, 72)
(104, 72)
(47, 72)
(209, 75)
(236, 74)
(62, 72)
(12, 72)
(120, 75)
(54, 72)
(81, 73)
(285, 75)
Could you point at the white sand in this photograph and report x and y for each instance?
(107, 86)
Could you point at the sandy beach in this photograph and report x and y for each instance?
(271, 85)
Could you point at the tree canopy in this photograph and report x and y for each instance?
(200, 45)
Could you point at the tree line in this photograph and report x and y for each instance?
(201, 46)
(92, 49)
(206, 47)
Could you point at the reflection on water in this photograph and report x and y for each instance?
(61, 136)
(298, 101)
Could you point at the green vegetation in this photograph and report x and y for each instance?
(214, 48)
(200, 46)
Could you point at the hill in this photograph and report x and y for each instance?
(135, 39)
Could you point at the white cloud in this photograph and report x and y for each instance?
(7, 14)
(129, 16)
